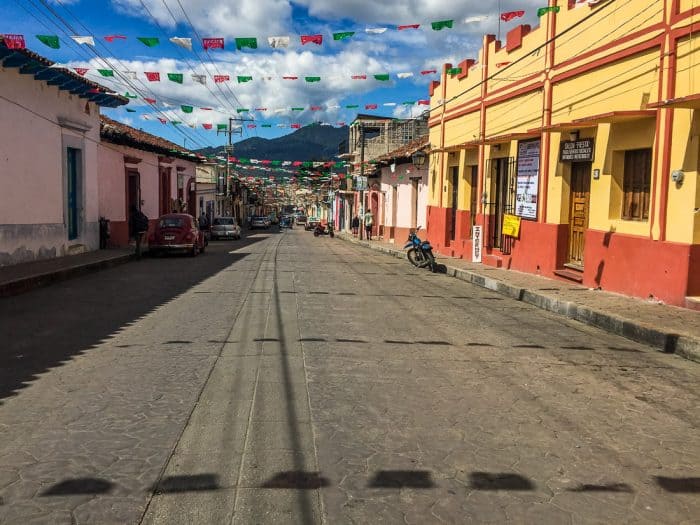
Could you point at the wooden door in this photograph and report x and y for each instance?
(455, 201)
(472, 199)
(578, 210)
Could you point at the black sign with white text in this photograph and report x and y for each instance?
(580, 150)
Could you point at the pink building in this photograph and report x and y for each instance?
(140, 169)
(48, 158)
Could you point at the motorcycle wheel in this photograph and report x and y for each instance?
(415, 257)
(315, 234)
(431, 261)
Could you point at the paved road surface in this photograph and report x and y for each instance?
(290, 379)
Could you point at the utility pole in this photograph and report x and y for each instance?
(362, 179)
(229, 151)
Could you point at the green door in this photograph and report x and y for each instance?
(73, 160)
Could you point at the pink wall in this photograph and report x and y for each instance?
(405, 197)
(32, 144)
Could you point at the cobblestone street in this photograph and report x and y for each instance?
(292, 379)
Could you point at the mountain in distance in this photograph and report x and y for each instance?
(314, 142)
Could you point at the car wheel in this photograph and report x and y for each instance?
(194, 251)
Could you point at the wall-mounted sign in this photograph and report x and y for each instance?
(476, 244)
(580, 150)
(511, 225)
(528, 179)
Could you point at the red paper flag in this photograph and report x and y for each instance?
(260, 109)
(297, 163)
(80, 70)
(152, 76)
(162, 120)
(206, 109)
(218, 79)
(251, 126)
(424, 102)
(410, 26)
(150, 100)
(112, 38)
(14, 41)
(213, 43)
(359, 77)
(266, 162)
(510, 15)
(295, 126)
(94, 91)
(290, 78)
(315, 39)
(315, 108)
(207, 126)
(428, 72)
(370, 106)
(340, 123)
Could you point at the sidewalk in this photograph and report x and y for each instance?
(668, 328)
(20, 278)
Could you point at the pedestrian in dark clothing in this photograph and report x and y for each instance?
(369, 222)
(355, 223)
(203, 222)
(138, 226)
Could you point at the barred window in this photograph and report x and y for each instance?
(636, 185)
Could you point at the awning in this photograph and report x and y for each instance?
(689, 102)
(508, 137)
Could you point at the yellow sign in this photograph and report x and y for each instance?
(511, 225)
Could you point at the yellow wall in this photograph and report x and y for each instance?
(688, 67)
(516, 115)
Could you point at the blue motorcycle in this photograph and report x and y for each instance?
(420, 253)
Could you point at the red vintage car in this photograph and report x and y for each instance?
(177, 232)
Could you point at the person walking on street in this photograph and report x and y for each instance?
(369, 221)
(355, 225)
(138, 226)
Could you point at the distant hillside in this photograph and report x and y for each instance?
(313, 142)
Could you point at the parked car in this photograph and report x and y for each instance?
(259, 222)
(300, 219)
(311, 223)
(286, 222)
(225, 228)
(177, 232)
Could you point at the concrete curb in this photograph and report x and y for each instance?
(25, 284)
(687, 347)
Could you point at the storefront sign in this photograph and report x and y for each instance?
(576, 150)
(511, 225)
(360, 183)
(528, 178)
(476, 244)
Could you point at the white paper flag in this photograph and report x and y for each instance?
(287, 162)
(475, 19)
(281, 126)
(84, 40)
(201, 79)
(375, 30)
(278, 41)
(145, 117)
(333, 107)
(130, 74)
(404, 75)
(185, 43)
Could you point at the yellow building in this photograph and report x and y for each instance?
(584, 133)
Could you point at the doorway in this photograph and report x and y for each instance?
(578, 210)
(394, 209)
(414, 203)
(164, 191)
(133, 190)
(474, 180)
(73, 192)
(502, 199)
(454, 179)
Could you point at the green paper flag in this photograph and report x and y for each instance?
(352, 106)
(186, 109)
(241, 80)
(242, 160)
(297, 109)
(242, 110)
(312, 79)
(274, 162)
(266, 125)
(129, 95)
(544, 10)
(442, 24)
(252, 43)
(176, 77)
(106, 72)
(221, 127)
(454, 70)
(383, 77)
(130, 110)
(49, 40)
(343, 36)
(409, 103)
(148, 41)
(175, 122)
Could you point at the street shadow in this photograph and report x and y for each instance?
(79, 486)
(47, 327)
(607, 487)
(398, 479)
(296, 479)
(186, 483)
(679, 485)
(499, 481)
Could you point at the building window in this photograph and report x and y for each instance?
(636, 185)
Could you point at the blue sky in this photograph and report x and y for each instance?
(393, 52)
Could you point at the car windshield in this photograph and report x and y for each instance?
(224, 222)
(172, 222)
